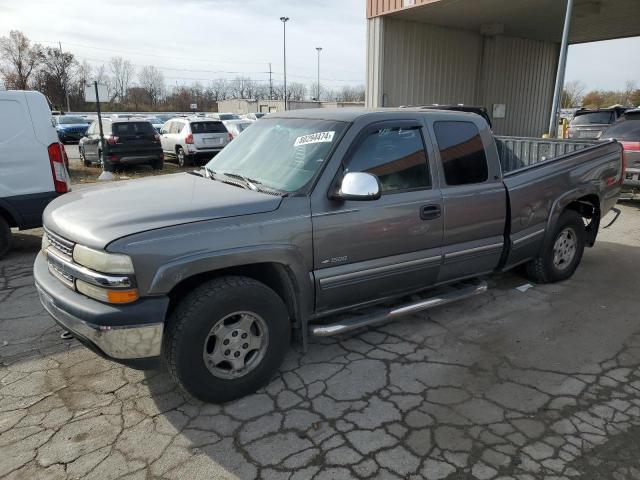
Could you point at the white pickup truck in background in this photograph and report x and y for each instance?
(32, 166)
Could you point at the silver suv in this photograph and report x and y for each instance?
(193, 138)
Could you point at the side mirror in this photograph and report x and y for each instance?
(359, 186)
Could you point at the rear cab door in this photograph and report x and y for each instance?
(473, 195)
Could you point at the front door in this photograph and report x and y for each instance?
(366, 250)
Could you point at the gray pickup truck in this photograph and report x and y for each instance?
(313, 223)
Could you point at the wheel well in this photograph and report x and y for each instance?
(276, 276)
(589, 208)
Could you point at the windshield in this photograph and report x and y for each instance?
(69, 120)
(593, 118)
(154, 120)
(228, 116)
(282, 154)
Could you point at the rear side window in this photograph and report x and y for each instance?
(176, 127)
(593, 118)
(208, 127)
(461, 152)
(132, 128)
(396, 156)
(628, 130)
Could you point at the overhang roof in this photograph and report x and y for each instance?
(592, 20)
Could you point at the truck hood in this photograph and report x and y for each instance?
(97, 215)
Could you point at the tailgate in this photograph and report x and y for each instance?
(209, 134)
(134, 137)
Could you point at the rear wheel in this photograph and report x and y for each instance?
(157, 164)
(561, 256)
(226, 338)
(183, 159)
(83, 159)
(5, 237)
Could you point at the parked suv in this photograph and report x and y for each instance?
(193, 138)
(70, 128)
(128, 142)
(588, 123)
(627, 132)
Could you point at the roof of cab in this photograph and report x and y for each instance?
(352, 114)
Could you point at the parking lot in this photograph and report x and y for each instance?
(537, 384)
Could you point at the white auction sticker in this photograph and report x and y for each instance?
(314, 138)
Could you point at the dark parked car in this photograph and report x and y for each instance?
(627, 132)
(306, 215)
(128, 142)
(587, 123)
(70, 128)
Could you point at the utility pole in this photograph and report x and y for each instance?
(319, 49)
(270, 84)
(284, 21)
(64, 77)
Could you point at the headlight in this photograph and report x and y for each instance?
(102, 261)
(45, 242)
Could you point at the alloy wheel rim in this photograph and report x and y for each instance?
(236, 345)
(564, 248)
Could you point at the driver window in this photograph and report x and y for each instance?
(396, 156)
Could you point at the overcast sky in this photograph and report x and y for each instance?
(206, 39)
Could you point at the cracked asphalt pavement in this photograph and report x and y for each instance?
(509, 385)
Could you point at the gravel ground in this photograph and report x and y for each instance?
(541, 384)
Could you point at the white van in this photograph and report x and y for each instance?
(32, 167)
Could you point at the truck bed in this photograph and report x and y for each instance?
(520, 152)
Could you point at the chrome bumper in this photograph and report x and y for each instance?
(118, 342)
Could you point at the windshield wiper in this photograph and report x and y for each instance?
(248, 181)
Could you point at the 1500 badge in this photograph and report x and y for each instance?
(334, 260)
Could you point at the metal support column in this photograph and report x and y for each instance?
(562, 66)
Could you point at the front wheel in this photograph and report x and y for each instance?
(226, 338)
(5, 237)
(561, 256)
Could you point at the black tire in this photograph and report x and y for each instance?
(5, 237)
(157, 164)
(544, 269)
(183, 158)
(188, 330)
(84, 160)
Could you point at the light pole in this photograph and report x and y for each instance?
(284, 31)
(319, 49)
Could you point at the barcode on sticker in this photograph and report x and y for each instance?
(314, 138)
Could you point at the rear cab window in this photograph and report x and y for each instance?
(593, 118)
(207, 127)
(462, 152)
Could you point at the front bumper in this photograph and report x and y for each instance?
(118, 332)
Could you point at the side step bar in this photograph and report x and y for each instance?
(384, 315)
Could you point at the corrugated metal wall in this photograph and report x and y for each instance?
(429, 64)
(375, 59)
(410, 63)
(521, 74)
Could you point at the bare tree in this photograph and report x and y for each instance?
(572, 94)
(151, 80)
(18, 60)
(58, 72)
(218, 89)
(630, 88)
(121, 77)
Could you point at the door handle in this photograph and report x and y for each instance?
(430, 212)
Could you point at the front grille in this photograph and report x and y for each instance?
(62, 245)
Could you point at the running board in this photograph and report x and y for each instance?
(383, 315)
